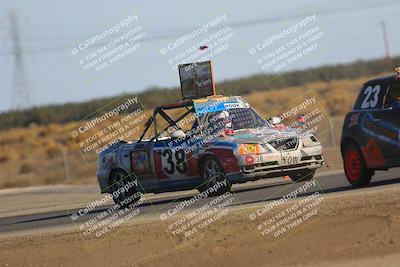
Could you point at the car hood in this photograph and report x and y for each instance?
(261, 135)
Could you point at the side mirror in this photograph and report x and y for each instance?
(178, 134)
(275, 120)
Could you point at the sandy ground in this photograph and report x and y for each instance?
(358, 228)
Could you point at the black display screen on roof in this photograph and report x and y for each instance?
(196, 80)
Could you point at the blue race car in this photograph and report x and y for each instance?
(371, 131)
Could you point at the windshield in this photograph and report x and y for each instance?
(235, 119)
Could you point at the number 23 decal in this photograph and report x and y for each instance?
(179, 164)
(371, 102)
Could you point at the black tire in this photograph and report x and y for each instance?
(210, 180)
(355, 167)
(124, 198)
(302, 176)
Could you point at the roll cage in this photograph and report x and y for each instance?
(187, 104)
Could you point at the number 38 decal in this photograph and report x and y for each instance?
(175, 161)
(371, 96)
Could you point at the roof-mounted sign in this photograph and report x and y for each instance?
(196, 80)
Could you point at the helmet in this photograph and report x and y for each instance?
(224, 118)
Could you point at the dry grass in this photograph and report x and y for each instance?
(34, 155)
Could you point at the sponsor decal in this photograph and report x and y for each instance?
(139, 160)
(301, 119)
(373, 154)
(236, 105)
(353, 119)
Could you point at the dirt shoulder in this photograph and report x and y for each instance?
(349, 229)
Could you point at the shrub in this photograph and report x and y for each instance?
(26, 168)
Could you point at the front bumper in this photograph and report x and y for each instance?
(273, 167)
(278, 164)
(269, 170)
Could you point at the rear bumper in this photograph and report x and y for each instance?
(273, 169)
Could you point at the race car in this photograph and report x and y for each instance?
(212, 143)
(371, 131)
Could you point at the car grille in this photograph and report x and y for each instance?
(285, 144)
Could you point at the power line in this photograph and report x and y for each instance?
(235, 25)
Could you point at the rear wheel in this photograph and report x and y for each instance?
(355, 167)
(124, 190)
(302, 176)
(213, 177)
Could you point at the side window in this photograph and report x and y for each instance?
(165, 129)
(392, 99)
(371, 97)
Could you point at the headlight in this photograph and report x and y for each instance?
(245, 149)
(310, 140)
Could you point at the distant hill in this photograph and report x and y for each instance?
(154, 96)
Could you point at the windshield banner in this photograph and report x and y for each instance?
(219, 104)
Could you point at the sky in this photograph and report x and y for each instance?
(50, 30)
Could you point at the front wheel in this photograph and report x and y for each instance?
(302, 176)
(355, 167)
(124, 189)
(215, 182)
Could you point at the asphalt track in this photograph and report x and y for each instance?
(248, 194)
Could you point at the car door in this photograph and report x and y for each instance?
(387, 124)
(369, 106)
(174, 166)
(140, 157)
